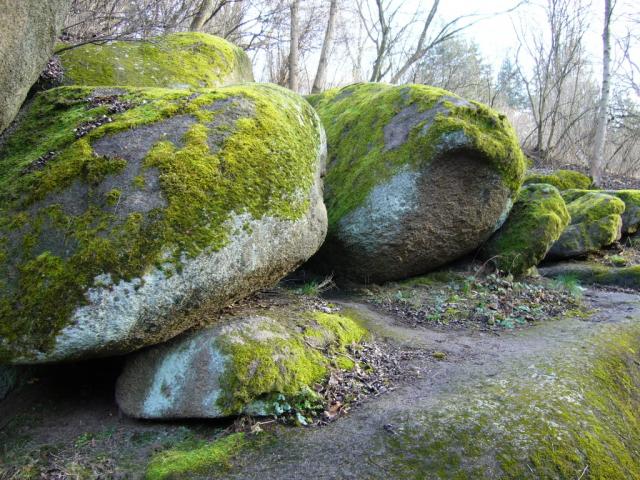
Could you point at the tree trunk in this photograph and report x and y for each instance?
(201, 16)
(295, 41)
(321, 73)
(597, 161)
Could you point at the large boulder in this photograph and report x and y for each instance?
(179, 60)
(631, 199)
(416, 177)
(596, 222)
(561, 179)
(536, 221)
(121, 210)
(29, 31)
(257, 362)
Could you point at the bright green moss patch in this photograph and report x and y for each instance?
(579, 415)
(561, 179)
(60, 229)
(595, 273)
(179, 60)
(595, 205)
(536, 221)
(207, 458)
(434, 121)
(284, 358)
(631, 199)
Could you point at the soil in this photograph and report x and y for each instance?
(65, 424)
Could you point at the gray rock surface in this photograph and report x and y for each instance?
(29, 31)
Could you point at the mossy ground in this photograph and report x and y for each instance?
(561, 179)
(573, 418)
(179, 60)
(537, 219)
(265, 167)
(354, 118)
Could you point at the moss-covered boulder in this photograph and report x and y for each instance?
(536, 221)
(121, 210)
(256, 362)
(596, 221)
(631, 199)
(561, 179)
(416, 178)
(595, 273)
(29, 31)
(179, 60)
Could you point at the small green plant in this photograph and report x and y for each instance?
(570, 283)
(315, 288)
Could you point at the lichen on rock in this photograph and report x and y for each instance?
(182, 199)
(416, 178)
(537, 219)
(179, 60)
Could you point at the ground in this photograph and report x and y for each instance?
(65, 424)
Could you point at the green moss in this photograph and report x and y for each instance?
(627, 277)
(180, 60)
(354, 118)
(264, 167)
(631, 199)
(537, 219)
(593, 206)
(208, 458)
(580, 417)
(289, 362)
(561, 179)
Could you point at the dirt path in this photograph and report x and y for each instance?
(364, 444)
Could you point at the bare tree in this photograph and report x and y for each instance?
(321, 73)
(199, 19)
(597, 159)
(294, 41)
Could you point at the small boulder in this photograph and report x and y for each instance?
(596, 221)
(594, 273)
(256, 362)
(416, 178)
(179, 60)
(29, 31)
(122, 210)
(536, 221)
(631, 199)
(561, 179)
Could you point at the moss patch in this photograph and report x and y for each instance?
(561, 179)
(537, 219)
(206, 458)
(180, 60)
(595, 273)
(355, 118)
(57, 235)
(577, 417)
(288, 363)
(631, 199)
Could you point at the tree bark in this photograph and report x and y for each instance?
(201, 16)
(294, 48)
(321, 73)
(597, 160)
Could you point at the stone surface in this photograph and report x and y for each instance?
(594, 273)
(255, 362)
(595, 223)
(416, 178)
(180, 60)
(29, 31)
(537, 219)
(561, 179)
(631, 199)
(114, 227)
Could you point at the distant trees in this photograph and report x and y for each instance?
(546, 84)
